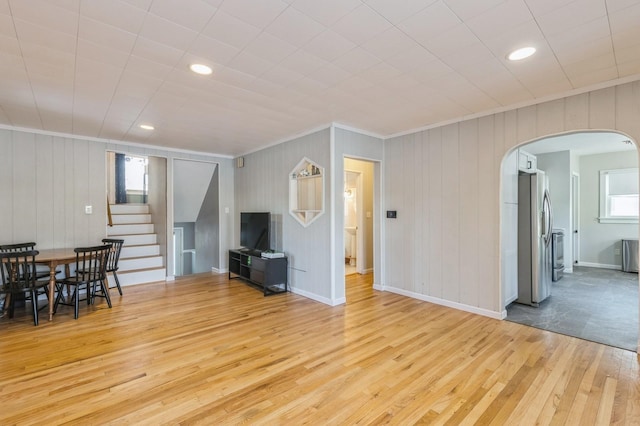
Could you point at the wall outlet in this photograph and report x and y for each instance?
(88, 209)
(616, 252)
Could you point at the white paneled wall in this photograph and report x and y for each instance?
(263, 185)
(47, 180)
(445, 184)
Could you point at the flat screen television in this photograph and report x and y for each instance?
(254, 230)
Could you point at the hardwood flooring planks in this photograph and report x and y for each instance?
(206, 350)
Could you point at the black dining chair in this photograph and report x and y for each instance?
(114, 257)
(18, 279)
(42, 271)
(90, 272)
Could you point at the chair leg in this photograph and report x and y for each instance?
(105, 289)
(11, 304)
(115, 276)
(58, 298)
(34, 303)
(76, 300)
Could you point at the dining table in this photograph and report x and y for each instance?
(54, 258)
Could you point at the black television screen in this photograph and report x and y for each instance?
(254, 230)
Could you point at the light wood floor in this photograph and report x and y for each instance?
(209, 351)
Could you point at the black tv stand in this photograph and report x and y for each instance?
(250, 252)
(268, 274)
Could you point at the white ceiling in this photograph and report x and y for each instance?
(100, 68)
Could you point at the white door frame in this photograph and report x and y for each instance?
(178, 249)
(575, 219)
(360, 249)
(359, 219)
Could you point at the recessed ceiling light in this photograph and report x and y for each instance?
(147, 127)
(519, 54)
(201, 69)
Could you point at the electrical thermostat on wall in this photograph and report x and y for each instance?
(392, 214)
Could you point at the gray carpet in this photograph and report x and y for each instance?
(594, 304)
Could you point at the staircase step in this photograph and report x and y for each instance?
(128, 229)
(121, 219)
(140, 259)
(137, 276)
(133, 263)
(137, 239)
(129, 208)
(139, 250)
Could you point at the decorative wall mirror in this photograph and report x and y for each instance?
(306, 191)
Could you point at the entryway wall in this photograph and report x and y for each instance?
(451, 175)
(578, 155)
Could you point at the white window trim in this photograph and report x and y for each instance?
(603, 218)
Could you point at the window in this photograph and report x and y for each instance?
(619, 196)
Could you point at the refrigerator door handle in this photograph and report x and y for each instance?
(547, 218)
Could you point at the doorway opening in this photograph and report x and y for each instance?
(594, 300)
(359, 221)
(353, 222)
(137, 213)
(196, 217)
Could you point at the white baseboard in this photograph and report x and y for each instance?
(170, 278)
(600, 265)
(219, 271)
(448, 303)
(317, 298)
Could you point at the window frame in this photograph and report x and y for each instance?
(604, 197)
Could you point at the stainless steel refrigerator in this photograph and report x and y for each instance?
(535, 224)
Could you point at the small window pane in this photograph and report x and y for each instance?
(623, 205)
(623, 182)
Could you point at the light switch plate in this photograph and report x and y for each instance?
(88, 209)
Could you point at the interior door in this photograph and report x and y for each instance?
(575, 218)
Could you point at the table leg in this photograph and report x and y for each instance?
(52, 289)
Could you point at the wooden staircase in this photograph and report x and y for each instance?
(140, 259)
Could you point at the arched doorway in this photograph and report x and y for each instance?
(575, 161)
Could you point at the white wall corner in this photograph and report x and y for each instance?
(312, 296)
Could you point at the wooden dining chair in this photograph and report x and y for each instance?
(89, 274)
(114, 257)
(17, 279)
